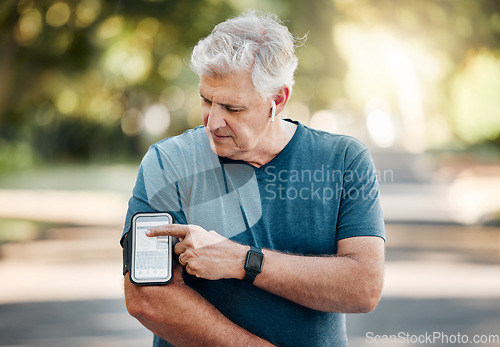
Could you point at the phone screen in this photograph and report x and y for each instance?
(151, 256)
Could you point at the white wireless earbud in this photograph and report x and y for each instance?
(273, 111)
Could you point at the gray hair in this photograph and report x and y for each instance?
(260, 44)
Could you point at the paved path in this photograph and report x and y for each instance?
(67, 290)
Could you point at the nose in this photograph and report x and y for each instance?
(215, 118)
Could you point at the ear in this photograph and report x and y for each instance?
(281, 98)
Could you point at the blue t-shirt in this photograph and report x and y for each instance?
(319, 189)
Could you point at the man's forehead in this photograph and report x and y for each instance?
(235, 87)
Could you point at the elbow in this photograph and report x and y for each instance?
(355, 304)
(367, 299)
(367, 304)
(356, 301)
(363, 295)
(137, 308)
(145, 312)
(137, 303)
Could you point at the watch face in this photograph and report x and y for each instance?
(254, 262)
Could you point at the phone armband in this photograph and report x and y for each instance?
(148, 261)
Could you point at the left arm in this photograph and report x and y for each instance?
(350, 281)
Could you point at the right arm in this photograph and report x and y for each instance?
(180, 315)
(175, 311)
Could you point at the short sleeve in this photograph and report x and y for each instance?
(154, 190)
(360, 213)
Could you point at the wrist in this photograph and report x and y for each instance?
(238, 271)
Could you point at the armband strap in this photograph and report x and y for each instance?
(125, 242)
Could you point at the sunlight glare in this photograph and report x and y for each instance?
(381, 128)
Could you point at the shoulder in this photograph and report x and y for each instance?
(180, 146)
(188, 141)
(181, 156)
(178, 155)
(339, 145)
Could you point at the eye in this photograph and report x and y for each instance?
(206, 101)
(233, 110)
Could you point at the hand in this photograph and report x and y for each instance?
(206, 253)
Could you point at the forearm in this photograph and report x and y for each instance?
(186, 321)
(342, 283)
(350, 281)
(320, 283)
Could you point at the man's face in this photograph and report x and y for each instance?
(235, 116)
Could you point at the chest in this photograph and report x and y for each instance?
(287, 210)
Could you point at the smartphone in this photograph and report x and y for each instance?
(151, 257)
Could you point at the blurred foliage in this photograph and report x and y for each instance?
(454, 48)
(70, 71)
(95, 80)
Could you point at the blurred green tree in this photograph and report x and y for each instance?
(71, 69)
(100, 80)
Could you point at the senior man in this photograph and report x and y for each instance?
(280, 226)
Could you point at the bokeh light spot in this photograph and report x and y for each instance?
(133, 63)
(148, 27)
(67, 101)
(29, 27)
(156, 120)
(170, 67)
(111, 27)
(132, 122)
(58, 14)
(136, 65)
(173, 98)
(87, 12)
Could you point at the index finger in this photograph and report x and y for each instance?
(176, 230)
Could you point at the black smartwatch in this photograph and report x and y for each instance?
(253, 264)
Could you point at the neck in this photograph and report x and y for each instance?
(274, 141)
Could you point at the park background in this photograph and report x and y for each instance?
(86, 86)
